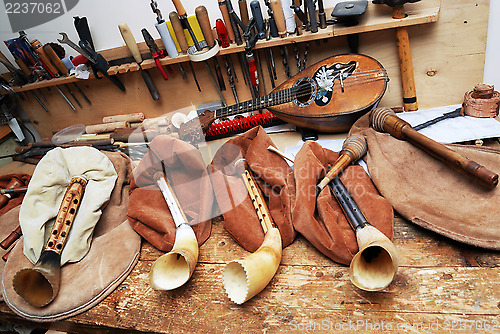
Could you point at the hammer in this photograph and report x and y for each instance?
(403, 44)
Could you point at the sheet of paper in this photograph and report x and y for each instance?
(453, 130)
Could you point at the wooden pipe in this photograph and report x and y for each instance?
(39, 285)
(353, 149)
(5, 198)
(245, 278)
(385, 120)
(204, 21)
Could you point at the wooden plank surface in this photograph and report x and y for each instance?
(440, 283)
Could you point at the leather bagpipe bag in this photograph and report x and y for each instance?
(187, 174)
(9, 225)
(101, 240)
(428, 193)
(272, 174)
(320, 219)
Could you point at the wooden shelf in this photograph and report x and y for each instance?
(377, 17)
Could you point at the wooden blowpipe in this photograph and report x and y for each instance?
(353, 149)
(385, 120)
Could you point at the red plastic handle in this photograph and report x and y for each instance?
(158, 64)
(254, 78)
(222, 33)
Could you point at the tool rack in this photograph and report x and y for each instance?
(376, 18)
(448, 57)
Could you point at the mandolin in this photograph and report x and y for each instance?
(328, 96)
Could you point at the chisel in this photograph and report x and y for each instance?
(134, 49)
(181, 39)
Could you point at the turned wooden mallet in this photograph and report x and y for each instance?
(385, 120)
(404, 53)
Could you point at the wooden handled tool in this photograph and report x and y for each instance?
(404, 53)
(179, 31)
(134, 49)
(129, 39)
(227, 20)
(384, 119)
(179, 8)
(279, 17)
(54, 59)
(243, 12)
(204, 22)
(37, 46)
(298, 22)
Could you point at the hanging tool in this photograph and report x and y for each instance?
(156, 53)
(404, 52)
(38, 100)
(204, 22)
(73, 95)
(301, 64)
(162, 28)
(259, 20)
(181, 39)
(224, 41)
(129, 39)
(272, 29)
(242, 4)
(38, 48)
(321, 14)
(279, 17)
(185, 23)
(227, 20)
(206, 29)
(250, 57)
(284, 60)
(97, 60)
(54, 59)
(235, 20)
(270, 70)
(348, 13)
(311, 9)
(82, 93)
(300, 17)
(65, 98)
(41, 94)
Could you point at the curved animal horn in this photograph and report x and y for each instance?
(39, 285)
(173, 269)
(374, 266)
(245, 278)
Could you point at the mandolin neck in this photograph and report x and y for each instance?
(279, 97)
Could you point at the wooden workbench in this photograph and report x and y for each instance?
(441, 286)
